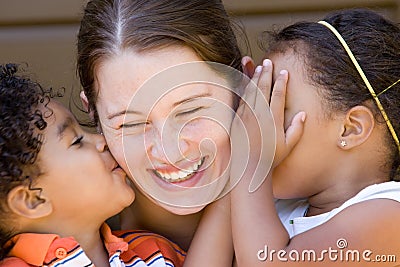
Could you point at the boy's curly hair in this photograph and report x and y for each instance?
(21, 122)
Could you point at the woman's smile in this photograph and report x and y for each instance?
(181, 174)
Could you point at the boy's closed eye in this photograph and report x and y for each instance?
(77, 141)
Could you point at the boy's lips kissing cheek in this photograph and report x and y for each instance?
(114, 167)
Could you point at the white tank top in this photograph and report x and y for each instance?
(291, 212)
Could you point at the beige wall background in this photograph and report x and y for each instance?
(42, 33)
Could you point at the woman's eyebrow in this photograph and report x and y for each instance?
(185, 100)
(191, 98)
(122, 112)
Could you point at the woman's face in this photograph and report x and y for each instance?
(166, 129)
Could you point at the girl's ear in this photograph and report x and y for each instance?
(357, 127)
(28, 203)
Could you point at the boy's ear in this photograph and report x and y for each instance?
(248, 66)
(28, 203)
(357, 127)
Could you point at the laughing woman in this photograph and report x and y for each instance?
(174, 142)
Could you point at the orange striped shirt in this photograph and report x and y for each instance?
(125, 248)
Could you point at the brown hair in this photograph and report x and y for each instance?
(375, 42)
(109, 26)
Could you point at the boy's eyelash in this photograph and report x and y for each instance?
(77, 141)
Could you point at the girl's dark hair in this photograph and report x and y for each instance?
(20, 140)
(109, 26)
(374, 41)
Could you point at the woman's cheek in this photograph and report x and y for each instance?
(209, 135)
(124, 150)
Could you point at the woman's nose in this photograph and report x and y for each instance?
(168, 147)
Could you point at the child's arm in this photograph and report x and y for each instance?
(252, 212)
(212, 244)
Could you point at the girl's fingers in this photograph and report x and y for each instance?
(265, 79)
(263, 140)
(278, 99)
(264, 89)
(251, 89)
(295, 130)
(285, 140)
(261, 81)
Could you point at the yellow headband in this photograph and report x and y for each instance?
(361, 72)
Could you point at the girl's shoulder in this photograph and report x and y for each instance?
(382, 191)
(292, 213)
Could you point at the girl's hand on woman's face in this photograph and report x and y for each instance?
(285, 139)
(257, 132)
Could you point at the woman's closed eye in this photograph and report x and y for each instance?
(133, 124)
(142, 124)
(189, 112)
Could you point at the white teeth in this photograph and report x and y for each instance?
(175, 176)
(191, 169)
(180, 175)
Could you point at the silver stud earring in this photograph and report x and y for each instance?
(343, 143)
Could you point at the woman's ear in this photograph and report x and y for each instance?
(85, 104)
(248, 66)
(84, 100)
(28, 203)
(357, 127)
